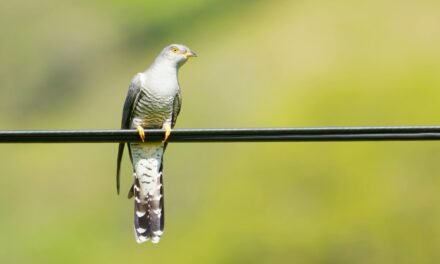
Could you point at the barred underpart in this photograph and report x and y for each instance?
(152, 110)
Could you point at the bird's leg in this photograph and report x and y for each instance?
(167, 129)
(141, 133)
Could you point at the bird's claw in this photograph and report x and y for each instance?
(141, 133)
(167, 129)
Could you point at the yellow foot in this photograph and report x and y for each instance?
(141, 133)
(167, 129)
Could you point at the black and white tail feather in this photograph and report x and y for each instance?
(148, 197)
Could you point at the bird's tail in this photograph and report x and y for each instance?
(148, 192)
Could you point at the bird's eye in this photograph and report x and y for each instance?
(175, 50)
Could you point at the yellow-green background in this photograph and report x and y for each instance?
(67, 65)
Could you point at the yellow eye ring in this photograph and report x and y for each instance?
(175, 50)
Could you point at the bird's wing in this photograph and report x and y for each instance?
(130, 102)
(177, 103)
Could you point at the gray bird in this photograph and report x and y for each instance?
(153, 101)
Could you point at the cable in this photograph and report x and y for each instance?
(319, 134)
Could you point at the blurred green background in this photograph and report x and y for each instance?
(67, 65)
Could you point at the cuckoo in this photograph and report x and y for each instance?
(153, 102)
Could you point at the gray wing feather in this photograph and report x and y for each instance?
(129, 105)
(177, 104)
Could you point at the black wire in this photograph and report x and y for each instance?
(402, 133)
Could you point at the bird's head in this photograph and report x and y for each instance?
(177, 53)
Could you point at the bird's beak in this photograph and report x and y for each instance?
(190, 54)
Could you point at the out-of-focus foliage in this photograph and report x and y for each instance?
(67, 65)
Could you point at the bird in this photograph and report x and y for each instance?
(153, 102)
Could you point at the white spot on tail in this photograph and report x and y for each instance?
(140, 238)
(157, 233)
(140, 214)
(155, 239)
(141, 230)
